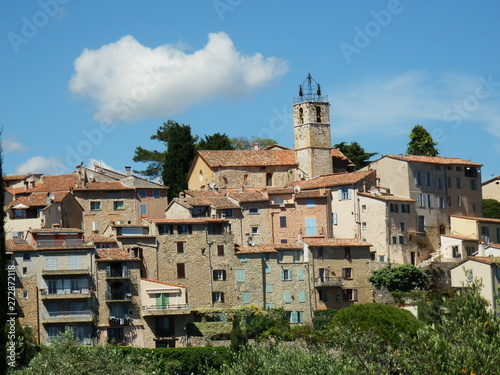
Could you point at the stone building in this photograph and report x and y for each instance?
(491, 188)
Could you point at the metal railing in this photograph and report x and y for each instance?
(165, 307)
(80, 291)
(69, 242)
(68, 314)
(118, 296)
(329, 281)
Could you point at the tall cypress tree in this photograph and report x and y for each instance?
(421, 142)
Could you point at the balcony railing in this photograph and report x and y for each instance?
(120, 321)
(66, 293)
(166, 307)
(118, 296)
(328, 281)
(69, 242)
(119, 274)
(67, 316)
(65, 271)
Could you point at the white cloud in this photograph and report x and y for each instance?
(129, 81)
(101, 164)
(10, 145)
(40, 164)
(394, 104)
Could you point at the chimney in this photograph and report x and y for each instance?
(127, 171)
(256, 146)
(26, 185)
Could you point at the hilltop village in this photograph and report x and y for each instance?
(108, 254)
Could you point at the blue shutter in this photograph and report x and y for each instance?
(240, 275)
(294, 318)
(300, 275)
(269, 288)
(246, 297)
(282, 275)
(311, 226)
(268, 269)
(287, 297)
(302, 296)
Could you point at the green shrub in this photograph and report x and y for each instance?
(401, 278)
(322, 318)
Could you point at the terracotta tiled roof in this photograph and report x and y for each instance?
(336, 153)
(387, 197)
(113, 254)
(278, 190)
(311, 194)
(103, 239)
(56, 230)
(105, 185)
(201, 193)
(480, 219)
(433, 160)
(162, 283)
(491, 180)
(247, 158)
(18, 245)
(197, 220)
(63, 182)
(38, 199)
(335, 242)
(15, 177)
(485, 260)
(264, 248)
(335, 179)
(463, 238)
(218, 203)
(248, 197)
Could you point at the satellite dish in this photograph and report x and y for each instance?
(296, 189)
(250, 241)
(211, 185)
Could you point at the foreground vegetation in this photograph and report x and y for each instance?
(455, 334)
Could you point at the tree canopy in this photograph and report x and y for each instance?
(246, 143)
(491, 208)
(215, 141)
(401, 278)
(355, 153)
(421, 142)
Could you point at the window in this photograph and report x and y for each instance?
(302, 296)
(350, 295)
(459, 184)
(421, 224)
(300, 275)
(393, 207)
(227, 212)
(25, 294)
(310, 203)
(255, 231)
(469, 250)
(95, 226)
(156, 193)
(240, 276)
(344, 193)
(163, 229)
(220, 250)
(74, 262)
(218, 297)
(405, 208)
(199, 211)
(401, 240)
(459, 169)
(282, 221)
(118, 205)
(429, 200)
(322, 294)
(142, 193)
(267, 268)
(279, 201)
(473, 184)
(180, 247)
(253, 211)
(243, 258)
(363, 225)
(269, 288)
(318, 114)
(347, 273)
(310, 226)
(363, 207)
(448, 182)
(26, 257)
(441, 203)
(287, 297)
(402, 227)
(283, 241)
(347, 252)
(219, 275)
(456, 252)
(421, 200)
(394, 240)
(265, 257)
(184, 229)
(459, 201)
(115, 335)
(144, 209)
(246, 297)
(440, 183)
(25, 270)
(334, 218)
(269, 179)
(286, 275)
(95, 206)
(181, 271)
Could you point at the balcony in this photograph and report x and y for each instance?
(82, 316)
(155, 310)
(78, 271)
(69, 242)
(66, 293)
(118, 274)
(120, 321)
(328, 281)
(118, 297)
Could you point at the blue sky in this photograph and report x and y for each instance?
(90, 81)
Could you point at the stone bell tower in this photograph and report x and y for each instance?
(311, 128)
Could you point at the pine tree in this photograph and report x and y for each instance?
(421, 142)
